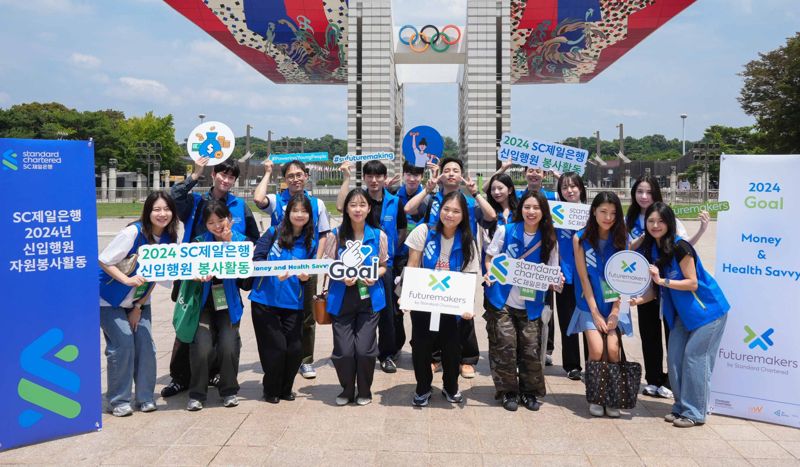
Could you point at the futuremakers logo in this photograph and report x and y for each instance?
(10, 160)
(34, 361)
(628, 267)
(753, 340)
(441, 285)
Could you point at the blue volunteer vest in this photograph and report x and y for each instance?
(595, 267)
(513, 245)
(566, 254)
(389, 213)
(235, 305)
(697, 308)
(282, 199)
(411, 220)
(113, 291)
(288, 294)
(372, 237)
(235, 205)
(433, 248)
(637, 230)
(549, 195)
(436, 204)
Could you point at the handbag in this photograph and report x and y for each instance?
(321, 315)
(186, 315)
(611, 384)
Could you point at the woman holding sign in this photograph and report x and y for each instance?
(449, 246)
(277, 301)
(220, 314)
(597, 305)
(125, 315)
(514, 316)
(695, 311)
(354, 300)
(644, 192)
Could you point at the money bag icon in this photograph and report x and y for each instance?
(210, 146)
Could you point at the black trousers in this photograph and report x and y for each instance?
(354, 344)
(399, 328)
(309, 325)
(650, 329)
(570, 347)
(214, 331)
(469, 342)
(179, 369)
(278, 335)
(423, 343)
(386, 332)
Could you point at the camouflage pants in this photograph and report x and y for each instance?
(515, 340)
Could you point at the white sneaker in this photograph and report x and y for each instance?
(363, 400)
(650, 390)
(122, 410)
(307, 371)
(664, 392)
(230, 401)
(342, 401)
(193, 405)
(612, 412)
(596, 410)
(148, 407)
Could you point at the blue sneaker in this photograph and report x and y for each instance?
(421, 401)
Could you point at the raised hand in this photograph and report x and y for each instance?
(354, 253)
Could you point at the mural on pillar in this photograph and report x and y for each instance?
(572, 41)
(423, 145)
(288, 41)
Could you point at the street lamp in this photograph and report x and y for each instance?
(150, 151)
(201, 117)
(683, 127)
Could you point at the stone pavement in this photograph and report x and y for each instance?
(313, 431)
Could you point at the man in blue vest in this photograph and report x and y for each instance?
(295, 175)
(190, 208)
(428, 201)
(387, 211)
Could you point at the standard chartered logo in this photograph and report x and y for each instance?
(499, 268)
(10, 160)
(558, 214)
(34, 361)
(753, 340)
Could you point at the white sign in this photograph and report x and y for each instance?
(627, 273)
(293, 268)
(363, 157)
(757, 371)
(211, 140)
(224, 260)
(572, 216)
(437, 292)
(350, 264)
(526, 275)
(531, 152)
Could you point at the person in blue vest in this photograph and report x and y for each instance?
(217, 336)
(515, 323)
(429, 201)
(694, 308)
(295, 174)
(596, 305)
(534, 178)
(355, 303)
(449, 246)
(412, 186)
(277, 301)
(387, 211)
(644, 192)
(190, 212)
(125, 315)
(571, 190)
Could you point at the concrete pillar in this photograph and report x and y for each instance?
(112, 180)
(627, 182)
(141, 185)
(156, 172)
(673, 184)
(103, 183)
(165, 178)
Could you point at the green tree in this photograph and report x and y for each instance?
(150, 128)
(771, 94)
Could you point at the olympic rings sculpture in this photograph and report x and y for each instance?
(434, 41)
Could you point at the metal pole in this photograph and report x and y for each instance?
(683, 133)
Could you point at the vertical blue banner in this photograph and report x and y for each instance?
(50, 366)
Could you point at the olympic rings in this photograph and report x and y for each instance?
(439, 41)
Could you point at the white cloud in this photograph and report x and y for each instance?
(4, 97)
(128, 88)
(51, 7)
(84, 60)
(625, 112)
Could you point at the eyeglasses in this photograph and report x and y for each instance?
(294, 176)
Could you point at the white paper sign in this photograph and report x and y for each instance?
(627, 273)
(224, 260)
(211, 140)
(447, 292)
(526, 275)
(532, 152)
(572, 216)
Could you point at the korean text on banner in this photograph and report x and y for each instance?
(224, 260)
(531, 152)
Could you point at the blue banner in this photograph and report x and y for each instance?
(48, 267)
(302, 157)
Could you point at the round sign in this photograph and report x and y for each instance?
(423, 144)
(211, 140)
(627, 272)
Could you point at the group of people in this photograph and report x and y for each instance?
(447, 223)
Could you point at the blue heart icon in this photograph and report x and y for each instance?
(366, 250)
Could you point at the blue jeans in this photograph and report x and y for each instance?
(690, 359)
(131, 356)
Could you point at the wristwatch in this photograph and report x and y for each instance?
(666, 282)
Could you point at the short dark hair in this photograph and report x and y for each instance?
(216, 207)
(374, 168)
(446, 160)
(422, 142)
(229, 167)
(409, 168)
(300, 165)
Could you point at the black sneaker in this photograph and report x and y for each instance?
(388, 366)
(574, 374)
(510, 401)
(530, 402)
(421, 401)
(173, 388)
(456, 398)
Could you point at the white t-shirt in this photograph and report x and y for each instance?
(416, 241)
(118, 250)
(514, 299)
(324, 221)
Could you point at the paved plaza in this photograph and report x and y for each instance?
(313, 431)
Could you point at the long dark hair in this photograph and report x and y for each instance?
(634, 209)
(346, 229)
(576, 180)
(666, 251)
(618, 235)
(464, 229)
(147, 225)
(545, 224)
(505, 179)
(285, 234)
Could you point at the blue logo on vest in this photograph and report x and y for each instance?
(753, 340)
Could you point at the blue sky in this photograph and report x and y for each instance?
(141, 55)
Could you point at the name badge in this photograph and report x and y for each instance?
(609, 295)
(218, 295)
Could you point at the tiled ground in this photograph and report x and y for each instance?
(313, 431)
